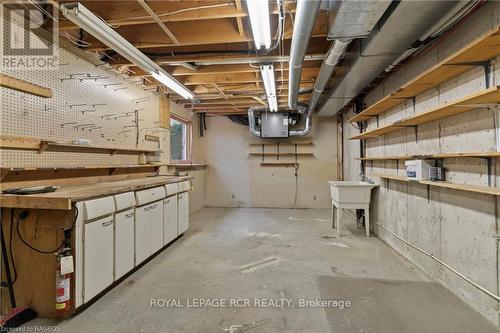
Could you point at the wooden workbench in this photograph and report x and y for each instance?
(65, 195)
(48, 215)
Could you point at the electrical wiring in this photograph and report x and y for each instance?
(76, 41)
(180, 11)
(11, 233)
(44, 251)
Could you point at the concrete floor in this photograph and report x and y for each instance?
(266, 256)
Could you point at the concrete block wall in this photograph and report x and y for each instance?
(455, 226)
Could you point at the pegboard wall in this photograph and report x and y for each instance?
(90, 101)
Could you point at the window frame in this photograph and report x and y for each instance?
(189, 139)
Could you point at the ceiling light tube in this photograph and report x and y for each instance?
(258, 10)
(85, 19)
(267, 73)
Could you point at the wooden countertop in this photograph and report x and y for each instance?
(65, 195)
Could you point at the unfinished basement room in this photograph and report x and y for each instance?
(259, 166)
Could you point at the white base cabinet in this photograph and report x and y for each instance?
(124, 242)
(183, 212)
(148, 230)
(156, 216)
(169, 219)
(97, 257)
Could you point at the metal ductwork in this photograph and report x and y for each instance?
(408, 21)
(305, 16)
(251, 121)
(348, 20)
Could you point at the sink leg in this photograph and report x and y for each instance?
(339, 216)
(333, 216)
(367, 221)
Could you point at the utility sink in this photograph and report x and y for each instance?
(350, 195)
(351, 192)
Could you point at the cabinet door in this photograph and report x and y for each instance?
(170, 219)
(156, 216)
(124, 242)
(97, 257)
(142, 234)
(183, 212)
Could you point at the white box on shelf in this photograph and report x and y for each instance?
(418, 169)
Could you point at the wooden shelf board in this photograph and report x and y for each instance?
(483, 48)
(86, 167)
(460, 187)
(393, 177)
(109, 149)
(471, 102)
(279, 164)
(430, 156)
(41, 145)
(281, 154)
(299, 143)
(464, 187)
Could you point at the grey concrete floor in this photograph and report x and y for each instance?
(276, 259)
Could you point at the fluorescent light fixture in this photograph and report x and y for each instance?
(267, 72)
(258, 10)
(173, 84)
(85, 19)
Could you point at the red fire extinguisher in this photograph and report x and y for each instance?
(63, 284)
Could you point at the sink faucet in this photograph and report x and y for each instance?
(364, 178)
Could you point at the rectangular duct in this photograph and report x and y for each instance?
(354, 19)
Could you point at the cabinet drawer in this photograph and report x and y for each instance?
(172, 189)
(93, 209)
(184, 186)
(146, 196)
(124, 200)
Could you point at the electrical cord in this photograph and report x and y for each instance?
(14, 269)
(63, 243)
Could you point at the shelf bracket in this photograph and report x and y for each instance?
(374, 116)
(43, 147)
(487, 66)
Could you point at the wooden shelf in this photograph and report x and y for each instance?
(286, 165)
(430, 156)
(41, 145)
(25, 173)
(482, 49)
(299, 143)
(471, 102)
(281, 154)
(460, 187)
(393, 177)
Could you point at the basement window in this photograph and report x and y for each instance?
(180, 140)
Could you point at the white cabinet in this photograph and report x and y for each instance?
(142, 234)
(97, 256)
(183, 212)
(148, 222)
(156, 216)
(148, 230)
(169, 219)
(124, 242)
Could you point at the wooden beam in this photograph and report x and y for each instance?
(239, 21)
(116, 13)
(11, 82)
(158, 21)
(202, 33)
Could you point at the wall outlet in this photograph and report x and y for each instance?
(233, 196)
(314, 198)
